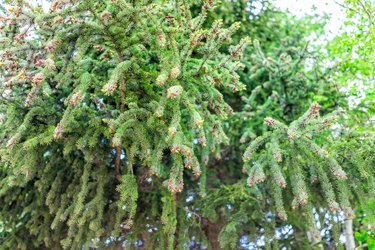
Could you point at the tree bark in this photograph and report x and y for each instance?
(118, 164)
(212, 231)
(314, 239)
(349, 235)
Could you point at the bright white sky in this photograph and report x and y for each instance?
(300, 7)
(303, 7)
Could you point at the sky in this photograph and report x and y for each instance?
(303, 7)
(300, 7)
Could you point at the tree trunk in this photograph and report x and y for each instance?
(349, 236)
(212, 231)
(314, 238)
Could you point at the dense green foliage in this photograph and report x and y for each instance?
(178, 125)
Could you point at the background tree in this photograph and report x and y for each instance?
(352, 51)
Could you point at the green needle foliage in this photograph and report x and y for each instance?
(299, 148)
(123, 124)
(102, 89)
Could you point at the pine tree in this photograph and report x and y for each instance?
(99, 96)
(300, 149)
(123, 125)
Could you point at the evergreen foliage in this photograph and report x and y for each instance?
(125, 124)
(300, 150)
